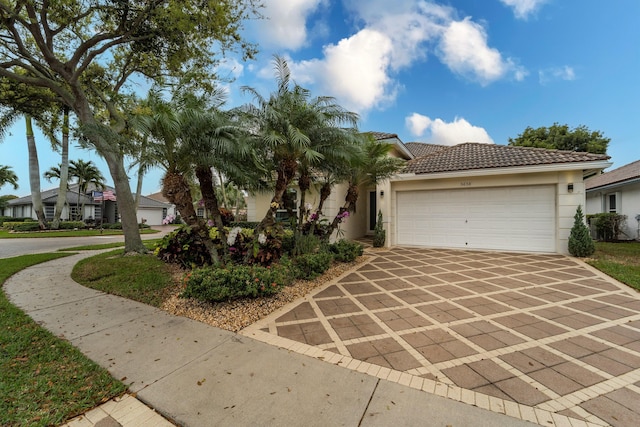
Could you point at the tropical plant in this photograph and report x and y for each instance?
(7, 176)
(580, 241)
(379, 233)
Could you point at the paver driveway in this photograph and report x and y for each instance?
(515, 333)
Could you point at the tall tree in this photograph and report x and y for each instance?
(85, 173)
(86, 53)
(373, 166)
(286, 122)
(560, 137)
(7, 176)
(34, 175)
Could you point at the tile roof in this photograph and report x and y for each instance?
(379, 136)
(623, 173)
(473, 155)
(419, 149)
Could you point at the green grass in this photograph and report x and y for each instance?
(5, 234)
(150, 244)
(44, 380)
(618, 260)
(142, 278)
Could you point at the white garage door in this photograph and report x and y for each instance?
(507, 218)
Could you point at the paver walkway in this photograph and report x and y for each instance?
(515, 333)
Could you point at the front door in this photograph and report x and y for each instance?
(373, 210)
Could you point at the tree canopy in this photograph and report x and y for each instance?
(560, 137)
(89, 54)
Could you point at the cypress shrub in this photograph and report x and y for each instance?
(580, 242)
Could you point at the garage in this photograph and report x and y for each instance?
(521, 218)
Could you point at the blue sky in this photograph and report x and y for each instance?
(444, 72)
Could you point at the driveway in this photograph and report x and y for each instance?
(520, 334)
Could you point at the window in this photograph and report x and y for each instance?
(612, 203)
(49, 211)
(74, 213)
(164, 213)
(200, 213)
(288, 206)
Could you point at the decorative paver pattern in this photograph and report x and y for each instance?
(540, 337)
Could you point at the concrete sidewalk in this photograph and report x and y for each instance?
(197, 375)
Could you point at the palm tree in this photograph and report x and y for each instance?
(370, 168)
(285, 123)
(7, 176)
(85, 173)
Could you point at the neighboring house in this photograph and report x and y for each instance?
(167, 208)
(152, 211)
(617, 191)
(471, 195)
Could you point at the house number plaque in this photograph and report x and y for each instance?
(465, 183)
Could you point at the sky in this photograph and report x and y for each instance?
(442, 71)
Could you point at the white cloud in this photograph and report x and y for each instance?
(354, 70)
(464, 49)
(417, 124)
(446, 133)
(285, 26)
(522, 9)
(556, 73)
(359, 70)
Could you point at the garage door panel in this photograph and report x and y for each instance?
(511, 218)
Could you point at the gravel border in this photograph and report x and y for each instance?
(238, 314)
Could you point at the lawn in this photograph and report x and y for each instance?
(150, 244)
(619, 260)
(45, 380)
(143, 278)
(5, 234)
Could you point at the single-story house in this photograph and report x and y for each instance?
(95, 206)
(471, 195)
(617, 191)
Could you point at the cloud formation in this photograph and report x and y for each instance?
(285, 26)
(360, 69)
(547, 75)
(446, 133)
(522, 9)
(464, 49)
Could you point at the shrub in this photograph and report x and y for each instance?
(310, 266)
(580, 242)
(304, 243)
(22, 226)
(244, 224)
(182, 247)
(345, 250)
(379, 233)
(608, 225)
(71, 225)
(212, 284)
(4, 219)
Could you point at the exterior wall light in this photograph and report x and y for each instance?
(382, 193)
(570, 188)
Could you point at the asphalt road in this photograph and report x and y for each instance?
(18, 246)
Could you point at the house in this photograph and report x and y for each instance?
(471, 195)
(87, 206)
(617, 191)
(150, 212)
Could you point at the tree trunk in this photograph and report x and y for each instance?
(325, 192)
(115, 160)
(286, 173)
(205, 178)
(64, 172)
(141, 168)
(350, 206)
(34, 175)
(225, 201)
(176, 189)
(304, 183)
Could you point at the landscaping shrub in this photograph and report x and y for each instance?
(305, 244)
(22, 226)
(345, 250)
(211, 284)
(71, 225)
(4, 219)
(580, 242)
(182, 247)
(227, 216)
(244, 224)
(379, 233)
(608, 225)
(310, 266)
